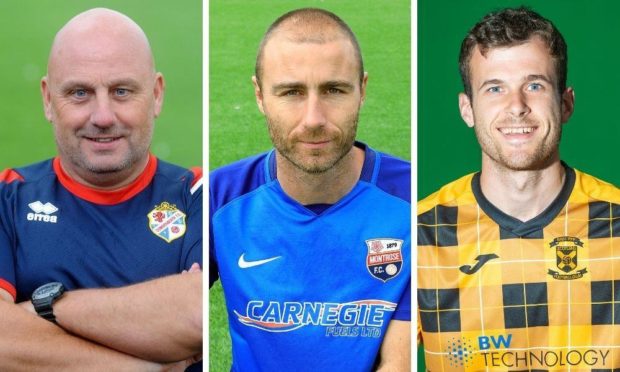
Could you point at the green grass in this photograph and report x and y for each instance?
(26, 32)
(236, 128)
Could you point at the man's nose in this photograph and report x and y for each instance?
(315, 114)
(103, 113)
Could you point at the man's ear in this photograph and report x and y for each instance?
(568, 104)
(363, 88)
(466, 111)
(258, 94)
(47, 100)
(158, 92)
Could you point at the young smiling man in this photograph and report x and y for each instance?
(517, 264)
(312, 240)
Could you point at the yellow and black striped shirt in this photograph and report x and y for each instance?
(495, 293)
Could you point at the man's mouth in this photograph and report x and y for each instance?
(517, 130)
(102, 139)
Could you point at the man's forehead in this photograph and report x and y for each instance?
(534, 53)
(284, 55)
(98, 33)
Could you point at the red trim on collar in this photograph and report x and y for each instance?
(9, 288)
(197, 171)
(106, 197)
(9, 175)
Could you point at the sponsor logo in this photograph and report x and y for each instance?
(566, 254)
(364, 318)
(384, 260)
(42, 212)
(167, 222)
(247, 264)
(482, 259)
(460, 352)
(493, 351)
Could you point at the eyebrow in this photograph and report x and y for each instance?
(114, 83)
(528, 78)
(297, 85)
(337, 83)
(538, 77)
(490, 82)
(287, 86)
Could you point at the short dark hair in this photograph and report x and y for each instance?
(509, 27)
(306, 17)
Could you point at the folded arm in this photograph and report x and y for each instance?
(30, 343)
(159, 320)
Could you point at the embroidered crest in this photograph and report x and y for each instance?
(566, 249)
(384, 260)
(167, 222)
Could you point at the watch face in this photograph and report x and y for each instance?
(47, 290)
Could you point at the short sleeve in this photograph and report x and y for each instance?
(193, 236)
(403, 309)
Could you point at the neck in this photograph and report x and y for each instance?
(320, 188)
(106, 181)
(521, 194)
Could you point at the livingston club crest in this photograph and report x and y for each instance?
(566, 258)
(167, 222)
(384, 259)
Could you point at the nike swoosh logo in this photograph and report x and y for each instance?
(247, 264)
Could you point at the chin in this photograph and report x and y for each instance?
(528, 163)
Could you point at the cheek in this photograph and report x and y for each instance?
(69, 116)
(134, 115)
(343, 115)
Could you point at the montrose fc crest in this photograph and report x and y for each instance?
(384, 260)
(167, 222)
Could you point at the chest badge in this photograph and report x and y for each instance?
(566, 249)
(384, 260)
(167, 222)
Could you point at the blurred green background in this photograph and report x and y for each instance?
(236, 127)
(26, 33)
(447, 149)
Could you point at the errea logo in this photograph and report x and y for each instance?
(42, 212)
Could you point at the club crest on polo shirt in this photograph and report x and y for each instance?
(167, 222)
(384, 260)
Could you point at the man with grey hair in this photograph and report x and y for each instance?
(105, 214)
(311, 240)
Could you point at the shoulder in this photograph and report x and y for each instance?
(451, 194)
(392, 166)
(192, 177)
(391, 174)
(589, 188)
(29, 173)
(236, 179)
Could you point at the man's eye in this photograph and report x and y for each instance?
(494, 89)
(292, 92)
(534, 86)
(334, 91)
(80, 93)
(121, 92)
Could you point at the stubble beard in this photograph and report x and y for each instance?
(318, 161)
(542, 156)
(134, 154)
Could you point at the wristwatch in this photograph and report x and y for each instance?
(44, 297)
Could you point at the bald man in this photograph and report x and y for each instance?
(104, 213)
(311, 240)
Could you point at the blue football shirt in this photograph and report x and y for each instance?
(311, 288)
(55, 229)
